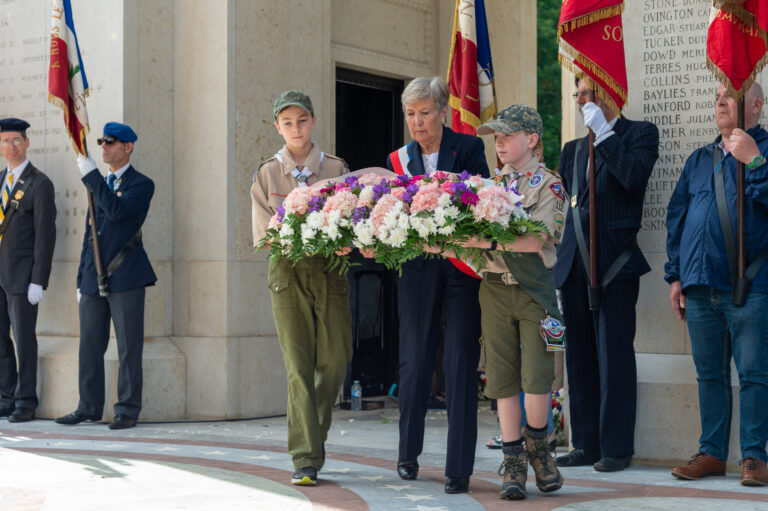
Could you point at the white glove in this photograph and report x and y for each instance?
(85, 165)
(34, 293)
(78, 295)
(594, 119)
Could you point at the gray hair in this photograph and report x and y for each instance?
(422, 88)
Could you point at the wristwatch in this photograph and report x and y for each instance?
(757, 161)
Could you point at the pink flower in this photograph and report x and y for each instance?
(477, 180)
(297, 201)
(494, 204)
(274, 222)
(426, 198)
(382, 209)
(446, 186)
(343, 200)
(370, 179)
(441, 176)
(398, 192)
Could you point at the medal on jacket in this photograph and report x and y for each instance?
(553, 333)
(574, 201)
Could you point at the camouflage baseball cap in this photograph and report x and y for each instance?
(514, 118)
(291, 98)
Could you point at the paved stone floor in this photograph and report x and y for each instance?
(241, 465)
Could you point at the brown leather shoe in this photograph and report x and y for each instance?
(753, 472)
(700, 465)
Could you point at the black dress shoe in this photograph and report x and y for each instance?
(5, 411)
(122, 422)
(612, 463)
(76, 417)
(407, 470)
(457, 485)
(577, 458)
(22, 415)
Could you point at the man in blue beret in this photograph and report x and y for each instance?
(27, 238)
(121, 202)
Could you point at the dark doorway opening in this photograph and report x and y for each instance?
(369, 125)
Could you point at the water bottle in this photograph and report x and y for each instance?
(357, 396)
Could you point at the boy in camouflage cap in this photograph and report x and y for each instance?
(517, 300)
(310, 304)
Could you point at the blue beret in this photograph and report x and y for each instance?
(122, 132)
(11, 124)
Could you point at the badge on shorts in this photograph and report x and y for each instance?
(535, 180)
(553, 334)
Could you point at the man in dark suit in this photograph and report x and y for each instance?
(426, 287)
(28, 235)
(121, 204)
(600, 357)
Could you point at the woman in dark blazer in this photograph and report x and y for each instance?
(428, 286)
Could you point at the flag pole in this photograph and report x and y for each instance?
(741, 260)
(593, 294)
(100, 274)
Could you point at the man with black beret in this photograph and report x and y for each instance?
(27, 238)
(121, 202)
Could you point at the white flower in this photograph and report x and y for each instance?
(398, 237)
(403, 221)
(286, 231)
(447, 230)
(444, 200)
(366, 194)
(315, 220)
(307, 232)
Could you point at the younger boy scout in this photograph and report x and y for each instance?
(310, 304)
(519, 306)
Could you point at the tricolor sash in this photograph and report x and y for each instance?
(399, 160)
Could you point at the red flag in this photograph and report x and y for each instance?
(67, 84)
(470, 70)
(737, 43)
(591, 39)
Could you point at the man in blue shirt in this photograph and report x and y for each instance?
(700, 279)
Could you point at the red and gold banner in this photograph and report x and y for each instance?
(737, 43)
(591, 40)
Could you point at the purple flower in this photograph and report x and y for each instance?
(280, 213)
(469, 197)
(359, 214)
(316, 204)
(459, 188)
(380, 189)
(402, 180)
(464, 175)
(351, 181)
(410, 191)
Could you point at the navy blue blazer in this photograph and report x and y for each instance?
(120, 214)
(458, 152)
(26, 252)
(624, 162)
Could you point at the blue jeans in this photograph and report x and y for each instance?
(718, 331)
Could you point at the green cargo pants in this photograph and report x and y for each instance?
(311, 310)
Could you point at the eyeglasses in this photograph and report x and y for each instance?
(16, 142)
(108, 140)
(582, 94)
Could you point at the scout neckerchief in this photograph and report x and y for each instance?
(300, 172)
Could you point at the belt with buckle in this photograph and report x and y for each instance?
(505, 278)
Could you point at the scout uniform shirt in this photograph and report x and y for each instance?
(276, 177)
(544, 200)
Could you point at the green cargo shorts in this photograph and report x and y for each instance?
(513, 353)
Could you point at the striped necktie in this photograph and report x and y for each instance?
(6, 197)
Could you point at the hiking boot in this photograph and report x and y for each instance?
(305, 476)
(700, 465)
(753, 472)
(515, 473)
(541, 458)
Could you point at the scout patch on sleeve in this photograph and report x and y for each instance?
(559, 220)
(536, 180)
(558, 190)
